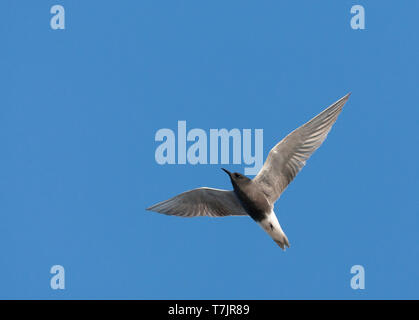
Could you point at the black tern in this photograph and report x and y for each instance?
(256, 197)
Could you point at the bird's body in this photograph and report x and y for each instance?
(257, 206)
(256, 197)
(250, 196)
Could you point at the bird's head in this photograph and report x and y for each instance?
(237, 179)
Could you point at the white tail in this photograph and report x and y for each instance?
(273, 228)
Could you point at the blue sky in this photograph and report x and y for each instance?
(80, 108)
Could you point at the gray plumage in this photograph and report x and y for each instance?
(289, 156)
(256, 197)
(202, 202)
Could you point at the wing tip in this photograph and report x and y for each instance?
(346, 97)
(152, 208)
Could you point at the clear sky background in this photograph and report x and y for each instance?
(79, 109)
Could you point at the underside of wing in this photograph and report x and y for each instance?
(288, 157)
(201, 202)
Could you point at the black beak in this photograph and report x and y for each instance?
(226, 171)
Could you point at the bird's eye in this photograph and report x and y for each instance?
(237, 175)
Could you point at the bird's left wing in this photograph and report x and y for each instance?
(201, 202)
(289, 156)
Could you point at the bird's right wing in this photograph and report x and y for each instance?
(289, 156)
(201, 202)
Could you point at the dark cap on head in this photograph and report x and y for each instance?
(236, 177)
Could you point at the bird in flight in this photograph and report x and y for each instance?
(256, 197)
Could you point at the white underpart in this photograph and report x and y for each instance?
(273, 228)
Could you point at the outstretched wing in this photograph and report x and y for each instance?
(289, 156)
(201, 202)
